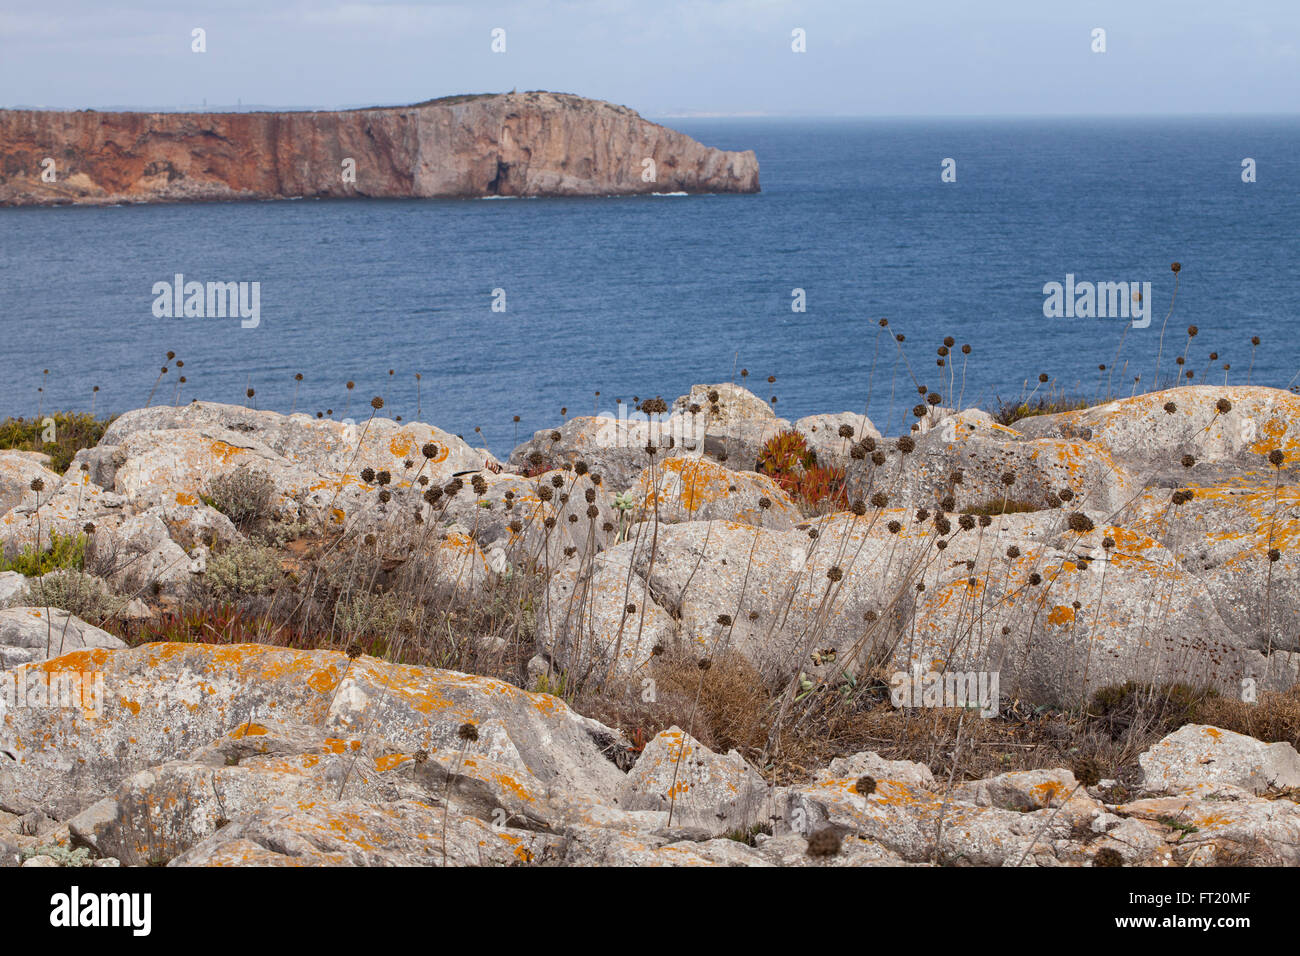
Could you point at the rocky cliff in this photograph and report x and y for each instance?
(515, 144)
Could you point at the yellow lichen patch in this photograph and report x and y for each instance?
(131, 705)
(248, 730)
(1271, 435)
(182, 498)
(82, 661)
(400, 445)
(1047, 791)
(1061, 615)
(507, 782)
(324, 681)
(389, 761)
(224, 451)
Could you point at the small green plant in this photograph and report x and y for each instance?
(66, 552)
(373, 615)
(242, 495)
(749, 835)
(1182, 826)
(59, 854)
(557, 684)
(243, 570)
(1009, 412)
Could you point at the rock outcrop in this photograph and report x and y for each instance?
(511, 144)
(248, 755)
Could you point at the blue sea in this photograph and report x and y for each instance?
(636, 297)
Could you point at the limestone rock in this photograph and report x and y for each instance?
(1200, 754)
(27, 633)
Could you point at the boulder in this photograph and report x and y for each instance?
(67, 759)
(1199, 754)
(362, 833)
(696, 489)
(32, 634)
(699, 788)
(18, 469)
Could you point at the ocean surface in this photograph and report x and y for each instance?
(637, 297)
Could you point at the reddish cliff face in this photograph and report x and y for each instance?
(515, 144)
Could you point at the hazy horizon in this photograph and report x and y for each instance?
(685, 58)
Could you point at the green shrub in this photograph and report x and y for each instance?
(81, 595)
(65, 552)
(73, 431)
(373, 615)
(243, 570)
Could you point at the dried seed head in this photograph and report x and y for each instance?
(468, 733)
(825, 842)
(1108, 856)
(1088, 771)
(1080, 523)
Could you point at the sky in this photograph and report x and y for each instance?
(664, 57)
